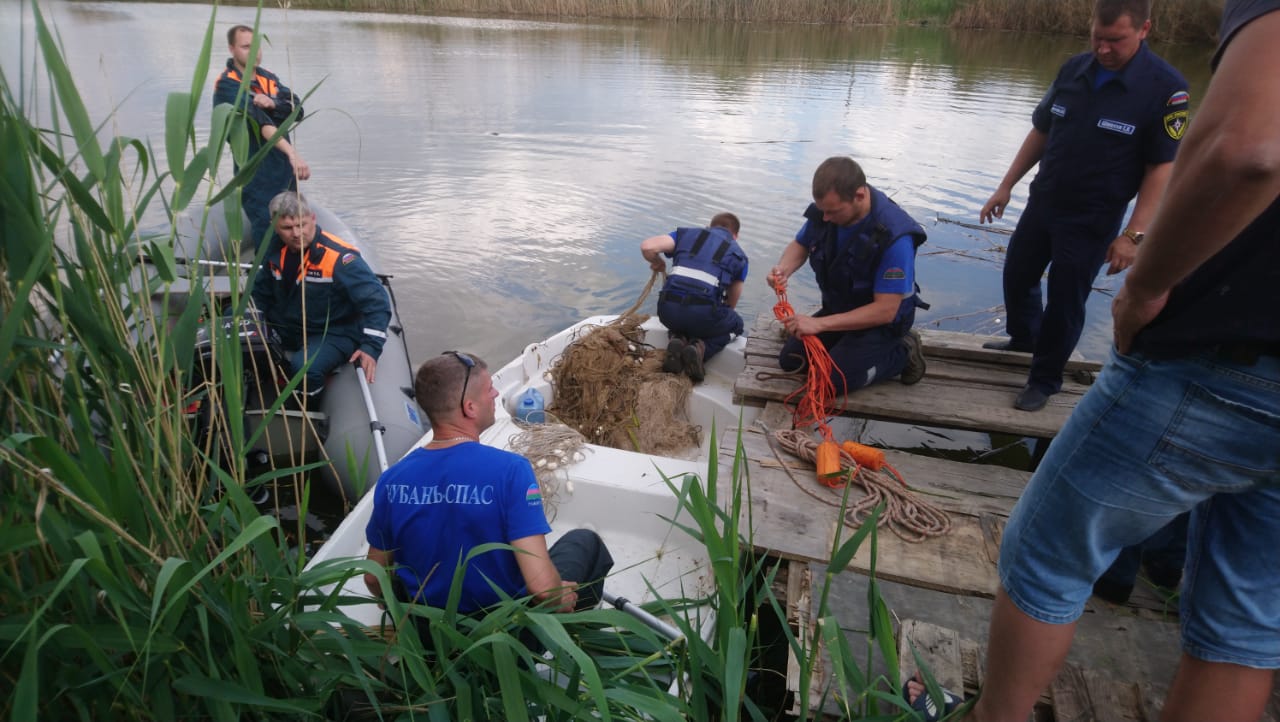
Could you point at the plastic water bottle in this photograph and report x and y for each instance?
(530, 407)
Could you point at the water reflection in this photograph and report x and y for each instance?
(508, 169)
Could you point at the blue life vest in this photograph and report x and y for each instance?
(705, 263)
(847, 279)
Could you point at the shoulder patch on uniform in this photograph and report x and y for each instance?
(894, 274)
(1181, 97)
(1175, 124)
(533, 495)
(1058, 110)
(348, 258)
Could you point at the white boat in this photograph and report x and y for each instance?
(340, 430)
(622, 495)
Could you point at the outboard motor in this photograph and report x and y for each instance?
(240, 370)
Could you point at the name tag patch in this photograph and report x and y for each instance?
(1058, 110)
(1116, 126)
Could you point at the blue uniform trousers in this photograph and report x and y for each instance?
(326, 354)
(273, 176)
(713, 324)
(862, 357)
(1073, 245)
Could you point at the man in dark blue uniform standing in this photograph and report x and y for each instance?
(265, 105)
(1107, 129)
(698, 300)
(319, 297)
(1184, 417)
(862, 248)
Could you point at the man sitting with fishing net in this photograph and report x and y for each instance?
(862, 248)
(697, 301)
(434, 508)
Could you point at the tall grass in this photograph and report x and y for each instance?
(1172, 20)
(141, 583)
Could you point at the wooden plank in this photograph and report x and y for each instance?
(973, 663)
(793, 517)
(1085, 695)
(939, 649)
(766, 337)
(1070, 696)
(992, 533)
(797, 520)
(1114, 698)
(954, 344)
(799, 601)
(965, 386)
(932, 402)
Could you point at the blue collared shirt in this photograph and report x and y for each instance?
(1102, 140)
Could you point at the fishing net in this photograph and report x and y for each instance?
(551, 448)
(610, 386)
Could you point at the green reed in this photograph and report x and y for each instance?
(1173, 20)
(714, 673)
(141, 583)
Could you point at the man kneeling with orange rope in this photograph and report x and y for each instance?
(862, 248)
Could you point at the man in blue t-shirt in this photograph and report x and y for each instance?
(439, 503)
(698, 299)
(862, 248)
(1105, 132)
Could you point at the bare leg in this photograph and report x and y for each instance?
(1215, 690)
(1023, 656)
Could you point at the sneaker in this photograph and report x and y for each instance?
(673, 363)
(692, 356)
(1012, 344)
(914, 370)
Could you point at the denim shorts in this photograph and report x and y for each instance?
(1151, 439)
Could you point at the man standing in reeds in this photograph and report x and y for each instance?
(1186, 416)
(1106, 130)
(265, 104)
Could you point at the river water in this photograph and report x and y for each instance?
(506, 170)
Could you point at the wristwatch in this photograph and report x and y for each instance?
(1135, 236)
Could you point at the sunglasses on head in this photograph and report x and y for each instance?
(470, 363)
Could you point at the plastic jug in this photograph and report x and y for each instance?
(530, 407)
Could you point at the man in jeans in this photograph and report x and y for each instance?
(1185, 417)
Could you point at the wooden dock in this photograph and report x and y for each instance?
(941, 589)
(965, 387)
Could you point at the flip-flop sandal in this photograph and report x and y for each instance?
(929, 711)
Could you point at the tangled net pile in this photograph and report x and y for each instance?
(610, 386)
(550, 448)
(906, 515)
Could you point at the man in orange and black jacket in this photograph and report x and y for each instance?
(320, 299)
(265, 105)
